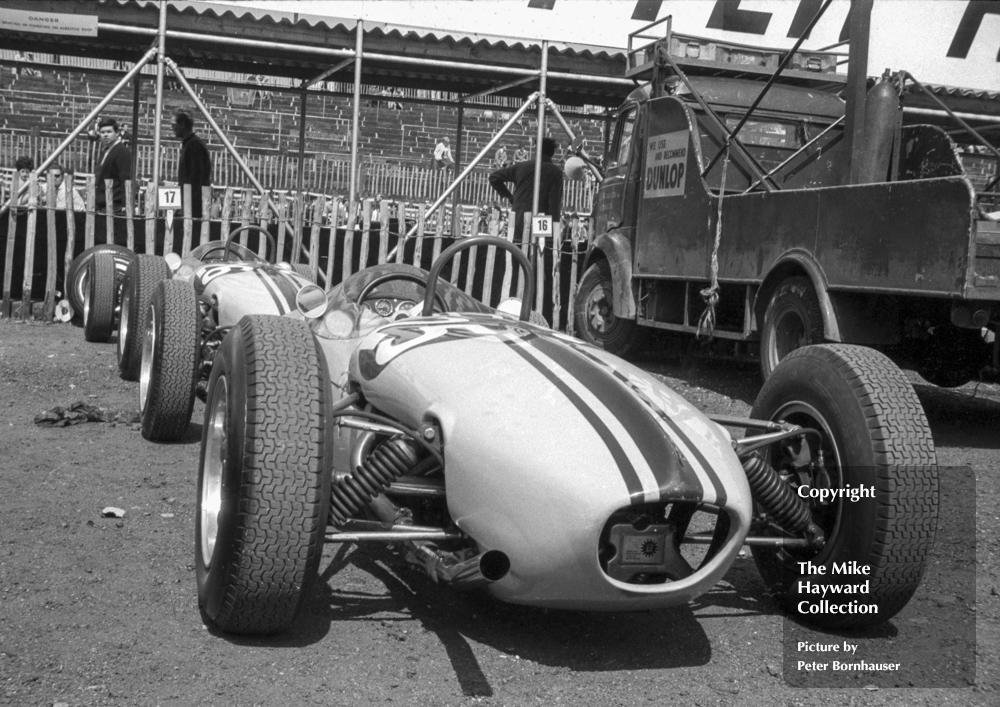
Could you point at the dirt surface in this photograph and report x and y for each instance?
(103, 611)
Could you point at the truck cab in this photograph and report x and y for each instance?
(791, 231)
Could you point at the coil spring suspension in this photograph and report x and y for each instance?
(387, 463)
(777, 497)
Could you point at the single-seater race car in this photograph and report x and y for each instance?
(175, 312)
(501, 454)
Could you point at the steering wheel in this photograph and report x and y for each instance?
(273, 250)
(430, 294)
(391, 276)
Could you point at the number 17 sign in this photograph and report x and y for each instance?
(169, 198)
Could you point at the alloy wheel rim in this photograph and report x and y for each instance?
(146, 367)
(805, 415)
(123, 321)
(214, 465)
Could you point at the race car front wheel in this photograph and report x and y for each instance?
(100, 289)
(264, 481)
(170, 356)
(141, 277)
(874, 450)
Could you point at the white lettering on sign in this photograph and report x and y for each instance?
(666, 164)
(48, 22)
(169, 198)
(541, 226)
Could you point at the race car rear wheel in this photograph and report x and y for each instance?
(873, 436)
(99, 298)
(76, 274)
(141, 277)
(594, 315)
(264, 481)
(170, 356)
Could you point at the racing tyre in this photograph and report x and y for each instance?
(263, 483)
(305, 271)
(76, 275)
(792, 320)
(99, 299)
(594, 315)
(141, 278)
(170, 356)
(873, 435)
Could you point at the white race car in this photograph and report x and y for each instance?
(498, 453)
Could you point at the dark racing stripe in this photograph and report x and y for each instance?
(720, 491)
(287, 286)
(635, 415)
(272, 290)
(624, 464)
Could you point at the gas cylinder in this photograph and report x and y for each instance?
(882, 123)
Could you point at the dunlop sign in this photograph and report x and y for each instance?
(666, 163)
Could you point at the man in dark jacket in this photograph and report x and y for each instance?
(114, 163)
(522, 176)
(195, 165)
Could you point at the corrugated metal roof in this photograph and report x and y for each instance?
(215, 9)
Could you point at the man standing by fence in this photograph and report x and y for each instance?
(522, 176)
(114, 163)
(195, 165)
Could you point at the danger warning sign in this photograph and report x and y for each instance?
(666, 162)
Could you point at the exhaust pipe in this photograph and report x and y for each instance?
(478, 571)
(449, 567)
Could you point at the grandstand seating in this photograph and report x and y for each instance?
(50, 100)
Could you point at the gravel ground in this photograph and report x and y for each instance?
(103, 611)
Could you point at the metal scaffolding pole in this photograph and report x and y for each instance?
(356, 126)
(161, 55)
(540, 133)
(179, 75)
(472, 165)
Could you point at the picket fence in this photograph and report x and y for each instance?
(321, 230)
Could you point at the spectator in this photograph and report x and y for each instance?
(500, 157)
(442, 154)
(521, 155)
(522, 176)
(114, 163)
(24, 166)
(67, 195)
(194, 166)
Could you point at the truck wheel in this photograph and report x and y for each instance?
(76, 275)
(872, 435)
(594, 315)
(141, 277)
(170, 356)
(99, 298)
(264, 479)
(792, 320)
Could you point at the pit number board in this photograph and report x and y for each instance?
(169, 198)
(541, 226)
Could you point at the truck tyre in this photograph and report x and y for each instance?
(99, 298)
(264, 481)
(874, 435)
(141, 278)
(792, 320)
(170, 356)
(76, 274)
(594, 315)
